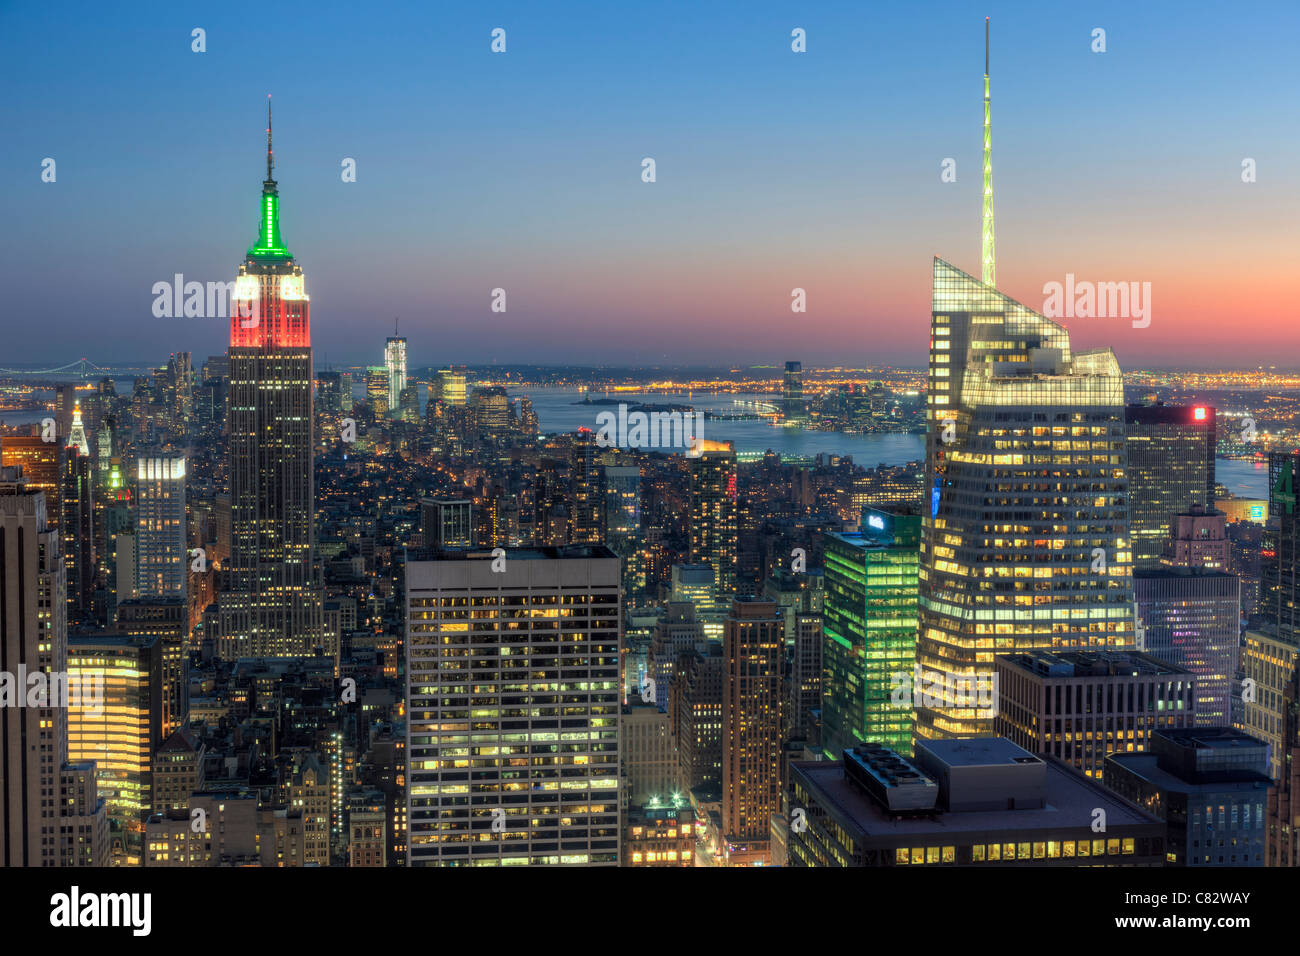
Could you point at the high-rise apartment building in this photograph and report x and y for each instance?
(695, 707)
(751, 730)
(1170, 452)
(869, 650)
(161, 557)
(512, 671)
(273, 605)
(713, 527)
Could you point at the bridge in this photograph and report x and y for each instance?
(83, 366)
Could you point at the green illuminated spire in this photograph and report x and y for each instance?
(990, 272)
(270, 244)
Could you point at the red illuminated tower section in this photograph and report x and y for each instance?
(273, 606)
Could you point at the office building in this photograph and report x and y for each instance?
(648, 752)
(1191, 618)
(869, 650)
(695, 708)
(273, 605)
(500, 665)
(167, 620)
(50, 810)
(751, 730)
(1268, 669)
(1025, 522)
(1170, 470)
(119, 733)
(395, 367)
(980, 802)
(161, 557)
(712, 467)
(1079, 706)
(792, 398)
(447, 523)
(1210, 786)
(661, 833)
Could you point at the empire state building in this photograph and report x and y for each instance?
(273, 605)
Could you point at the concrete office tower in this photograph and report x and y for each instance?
(1024, 537)
(869, 652)
(1268, 668)
(1199, 540)
(1191, 618)
(273, 605)
(1079, 706)
(695, 707)
(678, 631)
(712, 518)
(801, 600)
(1170, 451)
(1283, 838)
(50, 810)
(538, 634)
(447, 523)
(161, 557)
(648, 752)
(751, 730)
(395, 366)
(121, 733)
(1209, 784)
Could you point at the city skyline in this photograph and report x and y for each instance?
(763, 188)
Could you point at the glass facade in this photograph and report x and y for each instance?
(870, 637)
(1025, 532)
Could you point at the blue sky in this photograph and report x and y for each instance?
(521, 171)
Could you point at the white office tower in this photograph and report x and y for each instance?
(161, 561)
(512, 667)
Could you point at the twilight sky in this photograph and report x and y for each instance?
(522, 171)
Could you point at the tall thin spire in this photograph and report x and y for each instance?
(990, 271)
(270, 160)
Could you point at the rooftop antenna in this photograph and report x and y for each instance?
(990, 271)
(270, 160)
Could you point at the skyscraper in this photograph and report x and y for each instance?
(870, 643)
(751, 730)
(50, 810)
(161, 565)
(713, 512)
(518, 663)
(1170, 451)
(274, 605)
(792, 399)
(395, 363)
(1025, 528)
(122, 731)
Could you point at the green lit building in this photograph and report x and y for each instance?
(870, 632)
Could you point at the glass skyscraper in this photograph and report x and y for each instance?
(870, 633)
(1025, 526)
